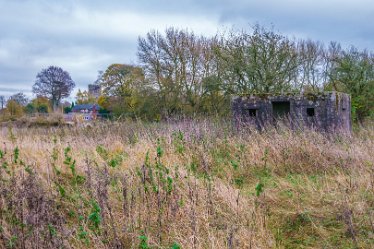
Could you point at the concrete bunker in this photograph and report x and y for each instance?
(327, 111)
(281, 109)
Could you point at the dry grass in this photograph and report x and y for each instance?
(189, 184)
(34, 120)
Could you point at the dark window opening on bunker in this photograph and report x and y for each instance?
(252, 112)
(310, 112)
(281, 109)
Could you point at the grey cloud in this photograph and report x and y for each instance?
(88, 35)
(342, 20)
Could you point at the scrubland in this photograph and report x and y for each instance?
(185, 184)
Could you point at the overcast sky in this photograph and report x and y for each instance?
(86, 36)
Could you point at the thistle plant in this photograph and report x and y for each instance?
(68, 161)
(15, 154)
(95, 217)
(178, 141)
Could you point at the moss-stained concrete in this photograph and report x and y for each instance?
(325, 111)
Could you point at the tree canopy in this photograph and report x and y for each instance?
(195, 74)
(123, 87)
(53, 83)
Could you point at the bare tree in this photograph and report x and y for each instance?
(53, 83)
(176, 64)
(312, 65)
(262, 61)
(2, 101)
(20, 98)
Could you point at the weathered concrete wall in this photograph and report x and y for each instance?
(339, 111)
(328, 111)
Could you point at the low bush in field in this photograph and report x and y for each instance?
(38, 120)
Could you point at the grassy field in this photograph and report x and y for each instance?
(185, 184)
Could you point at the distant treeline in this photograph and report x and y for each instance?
(180, 73)
(184, 74)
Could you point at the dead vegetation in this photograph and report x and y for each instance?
(185, 185)
(36, 120)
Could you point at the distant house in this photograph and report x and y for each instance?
(83, 113)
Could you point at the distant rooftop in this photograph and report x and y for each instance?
(89, 107)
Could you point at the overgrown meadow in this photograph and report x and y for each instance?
(185, 184)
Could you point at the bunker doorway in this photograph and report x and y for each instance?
(281, 109)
